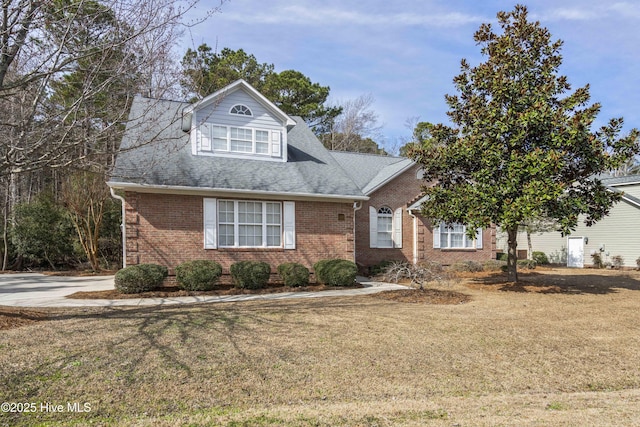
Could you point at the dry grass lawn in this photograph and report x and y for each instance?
(561, 349)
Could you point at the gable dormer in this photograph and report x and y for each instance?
(239, 122)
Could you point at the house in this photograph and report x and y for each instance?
(614, 235)
(232, 177)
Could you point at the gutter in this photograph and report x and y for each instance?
(207, 191)
(356, 207)
(123, 227)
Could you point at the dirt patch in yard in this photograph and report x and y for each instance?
(424, 296)
(558, 280)
(11, 317)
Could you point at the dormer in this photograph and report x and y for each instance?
(239, 122)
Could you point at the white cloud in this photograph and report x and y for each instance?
(328, 16)
(594, 12)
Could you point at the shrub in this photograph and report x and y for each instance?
(597, 260)
(540, 257)
(294, 274)
(527, 263)
(493, 265)
(335, 272)
(617, 261)
(140, 278)
(503, 256)
(381, 267)
(419, 274)
(638, 262)
(42, 232)
(250, 274)
(198, 275)
(466, 266)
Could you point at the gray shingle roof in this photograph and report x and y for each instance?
(370, 171)
(620, 180)
(157, 153)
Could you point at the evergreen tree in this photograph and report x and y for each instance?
(522, 146)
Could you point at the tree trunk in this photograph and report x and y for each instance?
(512, 254)
(5, 233)
(530, 246)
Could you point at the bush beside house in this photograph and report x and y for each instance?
(335, 272)
(250, 274)
(294, 274)
(140, 278)
(198, 275)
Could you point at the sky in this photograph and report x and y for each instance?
(405, 53)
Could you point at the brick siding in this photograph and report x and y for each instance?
(167, 229)
(400, 193)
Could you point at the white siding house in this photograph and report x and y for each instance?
(616, 234)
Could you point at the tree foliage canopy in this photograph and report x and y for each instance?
(206, 71)
(522, 145)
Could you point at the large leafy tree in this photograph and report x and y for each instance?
(522, 146)
(297, 95)
(205, 71)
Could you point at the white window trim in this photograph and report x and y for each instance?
(388, 214)
(211, 224)
(264, 224)
(396, 229)
(206, 142)
(438, 243)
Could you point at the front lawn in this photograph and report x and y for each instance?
(508, 356)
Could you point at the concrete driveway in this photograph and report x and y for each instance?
(39, 290)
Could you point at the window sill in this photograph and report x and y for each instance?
(257, 249)
(459, 249)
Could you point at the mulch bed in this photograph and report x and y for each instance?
(170, 291)
(13, 317)
(424, 296)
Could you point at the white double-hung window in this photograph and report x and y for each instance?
(385, 226)
(233, 139)
(454, 236)
(249, 224)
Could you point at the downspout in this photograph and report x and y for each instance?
(123, 228)
(415, 236)
(356, 207)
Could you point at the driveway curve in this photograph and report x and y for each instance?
(39, 290)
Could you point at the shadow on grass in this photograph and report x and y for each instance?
(159, 335)
(561, 283)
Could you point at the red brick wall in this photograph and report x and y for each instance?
(168, 229)
(426, 251)
(401, 192)
(396, 194)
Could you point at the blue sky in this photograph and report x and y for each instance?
(406, 52)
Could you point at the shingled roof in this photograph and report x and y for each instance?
(371, 171)
(157, 155)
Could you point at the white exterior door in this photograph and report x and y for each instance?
(575, 252)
